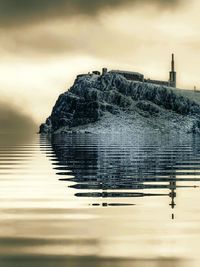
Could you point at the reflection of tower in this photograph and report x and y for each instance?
(172, 194)
(172, 74)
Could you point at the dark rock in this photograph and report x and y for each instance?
(92, 97)
(149, 107)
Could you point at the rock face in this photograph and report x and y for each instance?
(109, 102)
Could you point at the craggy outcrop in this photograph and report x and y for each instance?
(95, 98)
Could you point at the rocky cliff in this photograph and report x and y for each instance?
(106, 103)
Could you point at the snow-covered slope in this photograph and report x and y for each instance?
(111, 103)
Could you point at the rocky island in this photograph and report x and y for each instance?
(108, 102)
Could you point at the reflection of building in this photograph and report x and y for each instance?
(172, 195)
(135, 76)
(99, 169)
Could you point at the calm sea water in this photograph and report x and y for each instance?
(99, 200)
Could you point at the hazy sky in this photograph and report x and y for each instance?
(44, 44)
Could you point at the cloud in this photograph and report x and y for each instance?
(22, 12)
(111, 34)
(12, 120)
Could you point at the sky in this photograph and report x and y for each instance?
(45, 44)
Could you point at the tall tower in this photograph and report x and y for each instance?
(172, 74)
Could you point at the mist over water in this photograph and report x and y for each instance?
(15, 125)
(100, 200)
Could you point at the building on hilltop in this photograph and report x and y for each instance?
(164, 83)
(129, 75)
(172, 77)
(135, 76)
(172, 74)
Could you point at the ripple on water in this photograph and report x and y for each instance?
(97, 199)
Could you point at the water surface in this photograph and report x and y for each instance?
(99, 200)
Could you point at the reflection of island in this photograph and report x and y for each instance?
(104, 167)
